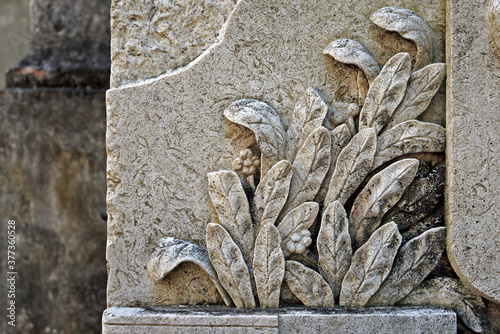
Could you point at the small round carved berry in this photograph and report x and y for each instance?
(299, 242)
(247, 163)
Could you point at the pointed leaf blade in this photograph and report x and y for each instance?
(268, 266)
(230, 266)
(386, 93)
(407, 138)
(415, 260)
(340, 137)
(265, 123)
(449, 292)
(334, 246)
(296, 224)
(231, 204)
(308, 285)
(309, 169)
(271, 194)
(422, 86)
(349, 51)
(370, 265)
(308, 115)
(380, 194)
(353, 164)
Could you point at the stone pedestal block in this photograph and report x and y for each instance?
(203, 320)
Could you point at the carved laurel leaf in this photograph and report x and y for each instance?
(449, 292)
(297, 222)
(309, 169)
(409, 137)
(170, 252)
(422, 86)
(230, 266)
(340, 137)
(308, 285)
(349, 51)
(334, 246)
(265, 123)
(268, 266)
(378, 196)
(309, 114)
(410, 26)
(231, 204)
(271, 194)
(353, 164)
(415, 260)
(386, 92)
(370, 265)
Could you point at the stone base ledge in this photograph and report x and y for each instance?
(215, 320)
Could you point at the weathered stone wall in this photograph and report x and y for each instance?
(52, 184)
(15, 37)
(52, 169)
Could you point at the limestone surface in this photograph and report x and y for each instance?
(165, 135)
(473, 166)
(153, 37)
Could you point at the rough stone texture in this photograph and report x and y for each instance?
(153, 37)
(473, 166)
(184, 320)
(15, 37)
(69, 47)
(52, 173)
(165, 135)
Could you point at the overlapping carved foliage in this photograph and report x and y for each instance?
(315, 221)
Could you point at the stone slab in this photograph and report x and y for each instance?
(157, 36)
(473, 133)
(122, 320)
(164, 135)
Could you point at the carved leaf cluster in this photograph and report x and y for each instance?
(352, 174)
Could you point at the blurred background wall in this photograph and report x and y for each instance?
(53, 160)
(15, 35)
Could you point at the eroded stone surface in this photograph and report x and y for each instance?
(165, 135)
(473, 167)
(153, 37)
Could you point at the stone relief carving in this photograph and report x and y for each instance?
(313, 220)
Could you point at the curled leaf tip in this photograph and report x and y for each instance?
(410, 26)
(349, 51)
